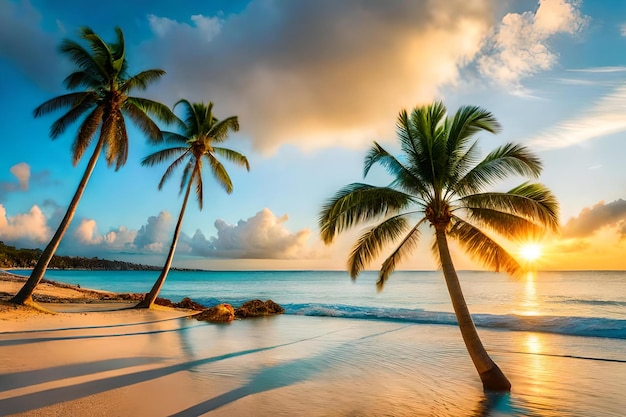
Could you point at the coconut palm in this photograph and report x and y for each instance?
(101, 74)
(201, 132)
(440, 181)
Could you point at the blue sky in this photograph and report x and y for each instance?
(313, 84)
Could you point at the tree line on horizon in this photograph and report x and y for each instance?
(12, 257)
(439, 182)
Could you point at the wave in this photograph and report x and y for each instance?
(594, 302)
(573, 326)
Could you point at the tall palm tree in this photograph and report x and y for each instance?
(440, 181)
(201, 131)
(101, 73)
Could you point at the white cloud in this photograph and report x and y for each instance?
(263, 236)
(25, 229)
(154, 235)
(88, 238)
(207, 27)
(519, 47)
(604, 118)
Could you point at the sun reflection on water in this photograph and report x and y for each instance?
(530, 303)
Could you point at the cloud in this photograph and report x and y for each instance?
(519, 46)
(318, 73)
(605, 117)
(25, 229)
(263, 236)
(155, 234)
(32, 47)
(22, 173)
(590, 220)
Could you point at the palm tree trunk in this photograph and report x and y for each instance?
(149, 299)
(492, 377)
(25, 295)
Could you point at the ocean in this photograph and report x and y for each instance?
(579, 303)
(344, 349)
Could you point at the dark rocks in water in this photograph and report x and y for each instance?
(257, 308)
(189, 304)
(221, 313)
(186, 303)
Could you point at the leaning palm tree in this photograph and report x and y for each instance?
(440, 181)
(202, 130)
(102, 75)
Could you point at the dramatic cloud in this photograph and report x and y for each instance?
(318, 73)
(263, 236)
(590, 220)
(605, 117)
(25, 229)
(519, 47)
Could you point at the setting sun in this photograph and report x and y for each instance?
(530, 252)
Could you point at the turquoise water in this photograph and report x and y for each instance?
(580, 303)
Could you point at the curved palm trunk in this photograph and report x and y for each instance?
(149, 299)
(25, 295)
(490, 374)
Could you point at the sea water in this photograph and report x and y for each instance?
(579, 303)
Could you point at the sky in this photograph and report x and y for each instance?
(313, 84)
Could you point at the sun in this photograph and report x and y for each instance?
(530, 252)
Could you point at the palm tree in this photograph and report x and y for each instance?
(102, 74)
(440, 181)
(201, 131)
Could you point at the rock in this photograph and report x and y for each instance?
(221, 313)
(189, 304)
(256, 308)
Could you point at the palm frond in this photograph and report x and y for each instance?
(372, 241)
(121, 139)
(155, 109)
(506, 224)
(64, 101)
(220, 173)
(219, 130)
(86, 133)
(358, 203)
(141, 80)
(189, 168)
(82, 79)
(232, 156)
(163, 155)
(468, 121)
(408, 244)
(505, 161)
(199, 187)
(142, 121)
(482, 248)
(173, 138)
(191, 122)
(84, 103)
(532, 201)
(83, 60)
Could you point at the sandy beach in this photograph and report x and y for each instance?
(99, 359)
